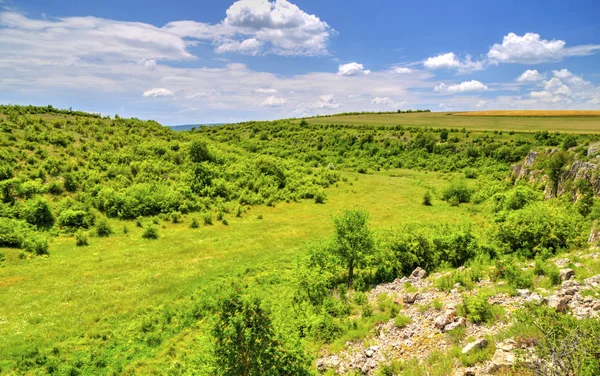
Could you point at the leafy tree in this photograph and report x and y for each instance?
(246, 343)
(444, 135)
(353, 240)
(553, 166)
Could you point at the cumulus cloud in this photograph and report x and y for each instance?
(451, 61)
(326, 102)
(249, 46)
(532, 49)
(463, 87)
(250, 27)
(481, 104)
(530, 76)
(274, 101)
(382, 101)
(352, 69)
(158, 92)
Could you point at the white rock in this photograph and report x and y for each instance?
(477, 345)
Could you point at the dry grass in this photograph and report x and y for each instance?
(531, 113)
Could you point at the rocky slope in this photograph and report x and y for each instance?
(434, 313)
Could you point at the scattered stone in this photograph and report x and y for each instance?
(477, 345)
(570, 287)
(410, 298)
(369, 353)
(592, 281)
(418, 273)
(567, 274)
(524, 293)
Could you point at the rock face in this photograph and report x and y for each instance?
(594, 234)
(587, 170)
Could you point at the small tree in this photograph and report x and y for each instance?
(353, 240)
(199, 152)
(37, 212)
(246, 343)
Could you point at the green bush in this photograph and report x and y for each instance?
(103, 228)
(150, 232)
(194, 223)
(207, 218)
(73, 219)
(476, 309)
(36, 244)
(427, 199)
(81, 239)
(457, 192)
(38, 213)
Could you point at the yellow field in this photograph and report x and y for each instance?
(531, 113)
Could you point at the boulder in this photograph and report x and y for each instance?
(503, 357)
(570, 287)
(461, 321)
(534, 298)
(524, 293)
(410, 298)
(567, 274)
(418, 273)
(559, 303)
(477, 345)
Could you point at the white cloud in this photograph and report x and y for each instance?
(530, 76)
(274, 101)
(570, 78)
(249, 46)
(451, 61)
(250, 27)
(463, 87)
(265, 91)
(532, 49)
(382, 101)
(352, 69)
(402, 70)
(326, 102)
(158, 92)
(481, 104)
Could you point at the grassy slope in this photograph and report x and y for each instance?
(574, 124)
(84, 289)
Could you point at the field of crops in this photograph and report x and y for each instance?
(518, 121)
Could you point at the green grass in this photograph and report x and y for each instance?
(106, 285)
(572, 124)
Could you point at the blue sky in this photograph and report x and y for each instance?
(221, 61)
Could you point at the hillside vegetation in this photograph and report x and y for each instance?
(128, 248)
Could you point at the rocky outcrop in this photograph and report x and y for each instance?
(587, 170)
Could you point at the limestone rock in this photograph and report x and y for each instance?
(560, 303)
(477, 345)
(524, 293)
(592, 281)
(567, 274)
(503, 357)
(410, 298)
(418, 273)
(534, 298)
(461, 321)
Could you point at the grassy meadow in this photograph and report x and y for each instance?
(79, 291)
(526, 121)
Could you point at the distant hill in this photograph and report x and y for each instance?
(187, 127)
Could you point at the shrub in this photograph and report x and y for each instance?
(36, 244)
(176, 217)
(540, 226)
(81, 239)
(37, 212)
(150, 232)
(476, 309)
(427, 199)
(194, 223)
(103, 228)
(73, 219)
(207, 218)
(457, 192)
(320, 197)
(199, 152)
(2, 257)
